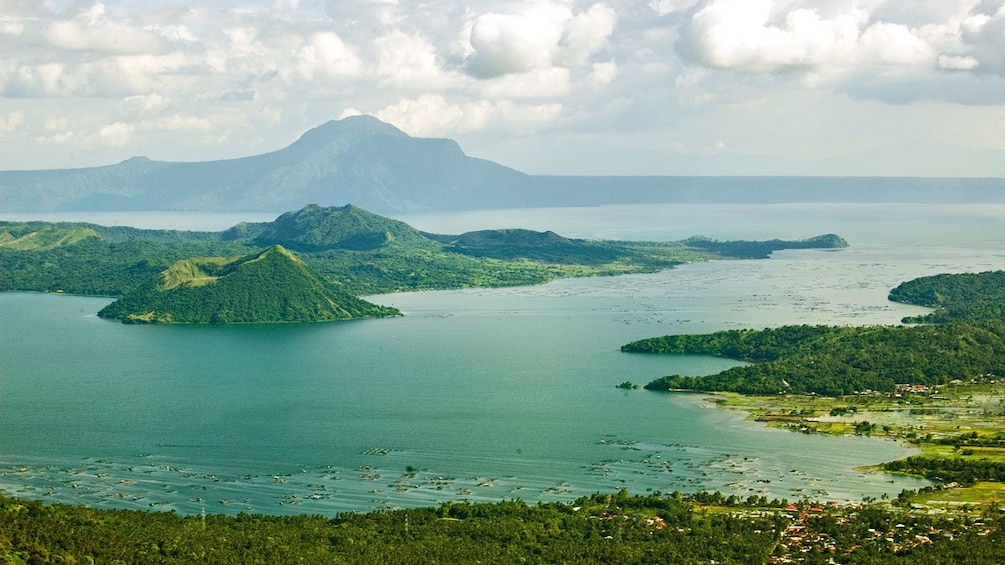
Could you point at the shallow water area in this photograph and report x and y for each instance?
(479, 394)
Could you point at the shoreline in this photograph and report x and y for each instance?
(923, 419)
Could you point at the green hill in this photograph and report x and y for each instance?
(39, 236)
(316, 228)
(514, 244)
(955, 297)
(265, 287)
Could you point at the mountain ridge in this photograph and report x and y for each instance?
(376, 166)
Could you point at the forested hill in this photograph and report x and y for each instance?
(269, 286)
(955, 297)
(836, 361)
(361, 252)
(967, 342)
(317, 228)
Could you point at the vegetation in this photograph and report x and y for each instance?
(956, 297)
(270, 286)
(361, 252)
(958, 470)
(835, 361)
(968, 343)
(603, 528)
(763, 249)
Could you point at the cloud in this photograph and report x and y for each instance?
(325, 53)
(764, 36)
(543, 35)
(93, 31)
(866, 47)
(958, 62)
(114, 135)
(407, 59)
(184, 80)
(433, 115)
(12, 121)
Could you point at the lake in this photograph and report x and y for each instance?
(481, 394)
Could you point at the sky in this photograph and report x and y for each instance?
(615, 87)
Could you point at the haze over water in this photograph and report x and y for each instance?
(479, 394)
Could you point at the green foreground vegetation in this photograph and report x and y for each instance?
(603, 528)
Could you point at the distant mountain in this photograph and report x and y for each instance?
(380, 168)
(265, 287)
(358, 159)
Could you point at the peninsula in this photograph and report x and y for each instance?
(937, 384)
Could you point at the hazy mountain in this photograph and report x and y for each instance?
(358, 159)
(369, 163)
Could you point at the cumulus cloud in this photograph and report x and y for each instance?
(765, 36)
(773, 36)
(325, 53)
(542, 35)
(404, 58)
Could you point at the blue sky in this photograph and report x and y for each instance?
(789, 87)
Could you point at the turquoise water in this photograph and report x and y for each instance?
(474, 394)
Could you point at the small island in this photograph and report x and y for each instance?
(267, 287)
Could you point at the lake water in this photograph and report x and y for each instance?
(474, 394)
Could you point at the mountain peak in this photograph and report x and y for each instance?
(352, 128)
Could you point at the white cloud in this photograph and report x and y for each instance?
(12, 121)
(958, 62)
(93, 31)
(433, 115)
(405, 59)
(542, 35)
(57, 139)
(604, 73)
(325, 53)
(113, 135)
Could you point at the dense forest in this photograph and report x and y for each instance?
(955, 297)
(966, 342)
(836, 361)
(270, 286)
(361, 252)
(950, 469)
(603, 528)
